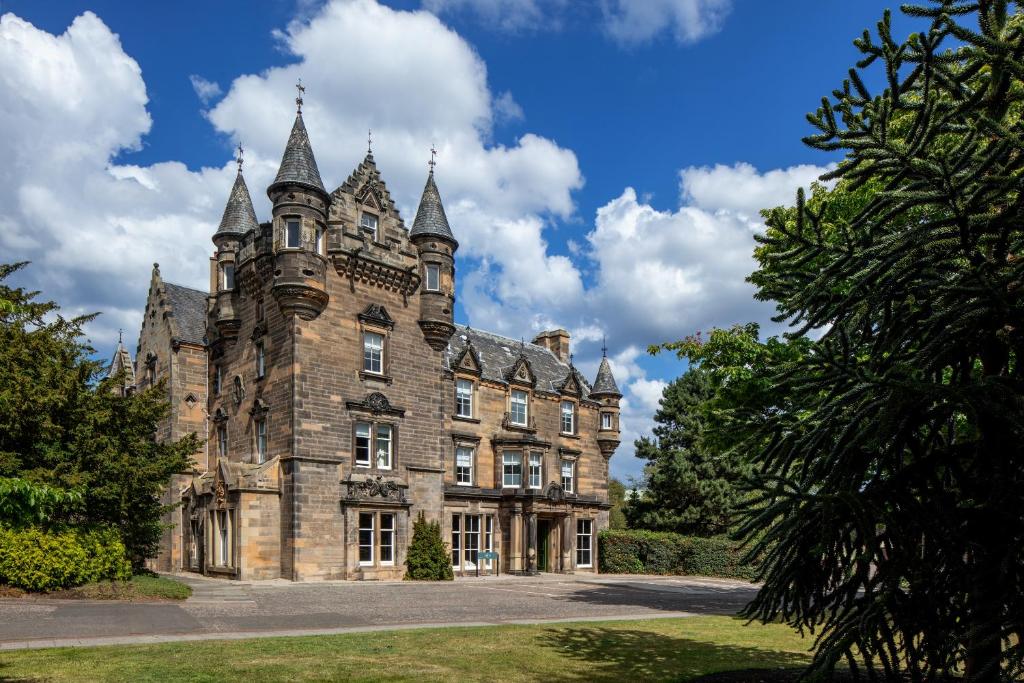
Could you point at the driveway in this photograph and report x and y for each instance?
(220, 609)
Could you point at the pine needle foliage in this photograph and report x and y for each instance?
(428, 558)
(891, 518)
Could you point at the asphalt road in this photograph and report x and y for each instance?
(223, 609)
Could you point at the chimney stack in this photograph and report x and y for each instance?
(557, 341)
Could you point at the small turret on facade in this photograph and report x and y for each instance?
(239, 218)
(122, 365)
(607, 393)
(436, 246)
(299, 227)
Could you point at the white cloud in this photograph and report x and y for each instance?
(631, 22)
(742, 189)
(506, 108)
(507, 15)
(205, 90)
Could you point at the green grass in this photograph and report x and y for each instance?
(657, 649)
(140, 587)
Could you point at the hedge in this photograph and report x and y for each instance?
(36, 560)
(656, 552)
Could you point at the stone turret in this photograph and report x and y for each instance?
(239, 218)
(606, 392)
(436, 246)
(299, 228)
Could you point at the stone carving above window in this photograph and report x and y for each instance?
(375, 314)
(375, 488)
(376, 403)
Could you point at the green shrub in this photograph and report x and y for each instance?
(428, 558)
(38, 560)
(656, 552)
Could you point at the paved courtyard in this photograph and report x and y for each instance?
(222, 609)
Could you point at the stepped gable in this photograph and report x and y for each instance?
(498, 354)
(368, 187)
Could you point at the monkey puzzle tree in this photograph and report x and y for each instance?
(892, 504)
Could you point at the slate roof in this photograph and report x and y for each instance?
(189, 307)
(605, 382)
(239, 216)
(430, 217)
(498, 354)
(298, 164)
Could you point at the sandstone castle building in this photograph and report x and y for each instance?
(340, 400)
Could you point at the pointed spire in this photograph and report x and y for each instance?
(605, 384)
(298, 166)
(122, 361)
(239, 216)
(430, 217)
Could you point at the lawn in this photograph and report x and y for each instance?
(657, 649)
(141, 587)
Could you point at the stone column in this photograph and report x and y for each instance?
(515, 556)
(531, 542)
(568, 544)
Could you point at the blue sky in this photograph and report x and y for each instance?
(546, 112)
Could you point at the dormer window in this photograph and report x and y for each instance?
(368, 221)
(518, 412)
(227, 276)
(293, 233)
(433, 279)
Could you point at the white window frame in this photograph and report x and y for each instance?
(369, 444)
(261, 361)
(390, 544)
(571, 478)
(432, 277)
(568, 416)
(373, 537)
(464, 473)
(222, 441)
(261, 440)
(227, 276)
(373, 354)
(319, 244)
(514, 403)
(489, 539)
(606, 421)
(367, 224)
(536, 466)
(384, 433)
(511, 459)
(587, 552)
(456, 541)
(464, 398)
(222, 538)
(293, 233)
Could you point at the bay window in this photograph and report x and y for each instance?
(536, 470)
(512, 469)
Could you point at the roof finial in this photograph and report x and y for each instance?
(432, 162)
(571, 357)
(604, 346)
(369, 140)
(120, 337)
(239, 158)
(301, 89)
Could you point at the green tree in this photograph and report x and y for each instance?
(891, 465)
(428, 558)
(617, 498)
(63, 425)
(689, 486)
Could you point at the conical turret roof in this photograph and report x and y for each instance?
(605, 383)
(239, 216)
(430, 218)
(298, 166)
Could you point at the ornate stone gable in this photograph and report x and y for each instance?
(469, 361)
(521, 372)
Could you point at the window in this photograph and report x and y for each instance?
(606, 420)
(261, 311)
(536, 470)
(368, 221)
(456, 540)
(387, 539)
(489, 538)
(293, 233)
(261, 441)
(366, 533)
(218, 378)
(464, 398)
(373, 352)
(518, 414)
(568, 467)
(433, 277)
(151, 373)
(222, 441)
(362, 444)
(464, 466)
(261, 361)
(568, 417)
(471, 541)
(584, 529)
(222, 538)
(384, 447)
(319, 240)
(512, 469)
(227, 276)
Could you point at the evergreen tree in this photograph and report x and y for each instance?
(689, 486)
(891, 466)
(428, 558)
(62, 424)
(617, 499)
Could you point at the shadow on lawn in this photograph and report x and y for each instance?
(5, 678)
(613, 654)
(712, 601)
